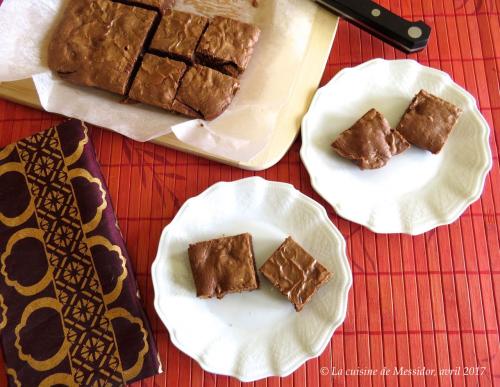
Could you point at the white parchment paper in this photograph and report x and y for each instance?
(238, 134)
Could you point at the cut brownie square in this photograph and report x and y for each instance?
(159, 5)
(204, 93)
(295, 273)
(157, 81)
(224, 265)
(178, 35)
(370, 142)
(227, 45)
(428, 121)
(98, 42)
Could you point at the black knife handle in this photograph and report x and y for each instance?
(401, 33)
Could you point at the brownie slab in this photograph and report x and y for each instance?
(204, 93)
(227, 45)
(178, 35)
(295, 273)
(98, 42)
(370, 142)
(428, 121)
(224, 265)
(157, 81)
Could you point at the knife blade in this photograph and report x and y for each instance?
(405, 35)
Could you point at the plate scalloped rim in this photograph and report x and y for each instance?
(367, 220)
(283, 369)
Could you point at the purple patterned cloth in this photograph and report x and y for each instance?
(70, 313)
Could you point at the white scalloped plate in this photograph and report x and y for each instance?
(416, 191)
(256, 334)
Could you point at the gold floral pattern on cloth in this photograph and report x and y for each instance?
(69, 308)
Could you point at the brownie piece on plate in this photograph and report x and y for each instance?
(157, 81)
(370, 142)
(428, 121)
(204, 93)
(98, 42)
(295, 273)
(227, 45)
(224, 265)
(178, 35)
(159, 5)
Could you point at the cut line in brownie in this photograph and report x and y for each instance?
(223, 265)
(157, 81)
(98, 43)
(147, 43)
(204, 93)
(428, 121)
(370, 142)
(295, 273)
(227, 45)
(161, 6)
(178, 34)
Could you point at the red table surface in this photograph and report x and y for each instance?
(428, 301)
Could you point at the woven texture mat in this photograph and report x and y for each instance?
(429, 301)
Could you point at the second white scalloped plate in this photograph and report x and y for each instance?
(416, 191)
(256, 334)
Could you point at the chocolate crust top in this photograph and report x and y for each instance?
(428, 121)
(295, 273)
(205, 93)
(157, 81)
(370, 142)
(228, 45)
(98, 43)
(159, 5)
(224, 265)
(178, 34)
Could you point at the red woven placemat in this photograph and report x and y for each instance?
(429, 304)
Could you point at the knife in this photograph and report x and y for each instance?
(403, 34)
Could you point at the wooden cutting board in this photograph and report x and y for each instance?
(288, 124)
